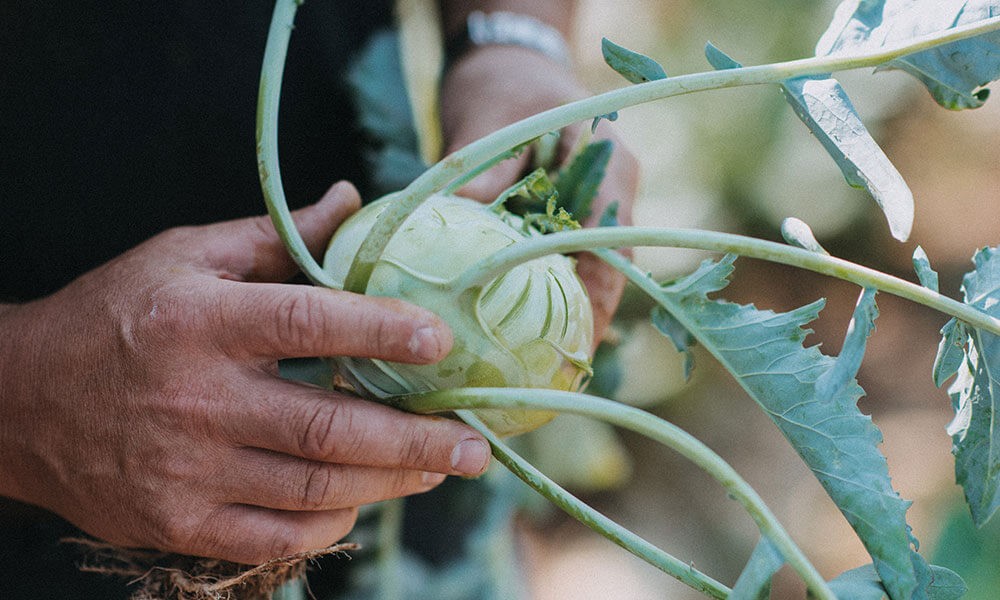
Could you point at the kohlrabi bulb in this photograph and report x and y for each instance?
(530, 327)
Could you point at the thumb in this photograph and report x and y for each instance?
(250, 249)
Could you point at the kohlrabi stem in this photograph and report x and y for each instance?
(619, 237)
(390, 541)
(495, 144)
(587, 515)
(267, 141)
(640, 422)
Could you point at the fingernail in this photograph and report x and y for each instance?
(424, 344)
(433, 479)
(470, 457)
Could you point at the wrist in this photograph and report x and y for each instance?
(505, 29)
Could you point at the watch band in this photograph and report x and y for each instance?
(507, 29)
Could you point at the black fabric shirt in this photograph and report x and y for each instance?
(121, 119)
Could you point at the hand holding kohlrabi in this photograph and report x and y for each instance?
(812, 398)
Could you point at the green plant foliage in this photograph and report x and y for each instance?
(376, 82)
(953, 73)
(863, 583)
(764, 351)
(922, 265)
(797, 233)
(845, 369)
(976, 391)
(719, 59)
(636, 67)
(973, 552)
(754, 582)
(951, 351)
(578, 182)
(822, 104)
(680, 337)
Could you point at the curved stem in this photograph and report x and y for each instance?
(618, 237)
(640, 422)
(268, 168)
(584, 513)
(483, 150)
(390, 541)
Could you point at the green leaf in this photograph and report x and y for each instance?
(375, 79)
(975, 394)
(822, 104)
(610, 216)
(681, 338)
(637, 68)
(845, 368)
(719, 60)
(578, 182)
(754, 582)
(951, 351)
(612, 117)
(764, 351)
(953, 73)
(922, 265)
(824, 107)
(863, 583)
(797, 233)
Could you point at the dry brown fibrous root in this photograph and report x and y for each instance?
(162, 576)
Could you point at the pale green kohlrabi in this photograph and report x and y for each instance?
(530, 327)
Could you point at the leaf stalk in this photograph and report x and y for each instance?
(640, 422)
(621, 236)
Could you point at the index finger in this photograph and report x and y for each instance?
(272, 320)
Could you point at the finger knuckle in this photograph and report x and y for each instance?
(285, 541)
(178, 532)
(318, 489)
(381, 337)
(419, 450)
(300, 319)
(328, 431)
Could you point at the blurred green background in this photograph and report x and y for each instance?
(740, 161)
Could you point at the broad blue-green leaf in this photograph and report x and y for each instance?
(951, 351)
(953, 73)
(764, 351)
(824, 107)
(797, 233)
(754, 582)
(637, 68)
(975, 395)
(822, 104)
(863, 583)
(845, 368)
(922, 265)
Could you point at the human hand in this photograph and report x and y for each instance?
(142, 402)
(493, 86)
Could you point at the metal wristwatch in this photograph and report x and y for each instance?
(507, 29)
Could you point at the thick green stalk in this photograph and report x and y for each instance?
(640, 422)
(267, 141)
(390, 544)
(619, 237)
(601, 524)
(495, 144)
